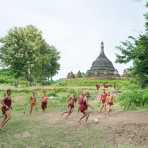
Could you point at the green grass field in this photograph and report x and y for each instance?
(51, 130)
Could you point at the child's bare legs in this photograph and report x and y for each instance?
(7, 117)
(70, 110)
(3, 121)
(85, 114)
(44, 106)
(109, 109)
(102, 107)
(65, 111)
(31, 109)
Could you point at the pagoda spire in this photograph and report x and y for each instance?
(102, 49)
(102, 46)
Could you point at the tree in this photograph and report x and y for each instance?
(136, 50)
(52, 67)
(79, 74)
(6, 76)
(70, 75)
(26, 52)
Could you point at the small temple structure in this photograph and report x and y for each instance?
(102, 67)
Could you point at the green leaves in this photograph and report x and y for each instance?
(130, 99)
(136, 50)
(26, 52)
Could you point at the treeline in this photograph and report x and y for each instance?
(72, 75)
(27, 56)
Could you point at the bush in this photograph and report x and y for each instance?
(63, 99)
(145, 97)
(130, 99)
(52, 93)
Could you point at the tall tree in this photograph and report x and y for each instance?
(52, 66)
(79, 74)
(26, 52)
(136, 50)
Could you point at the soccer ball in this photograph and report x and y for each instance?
(96, 120)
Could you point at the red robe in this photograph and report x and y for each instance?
(44, 102)
(8, 102)
(83, 105)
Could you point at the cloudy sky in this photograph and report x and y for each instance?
(76, 27)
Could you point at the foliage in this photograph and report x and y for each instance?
(52, 93)
(6, 76)
(136, 50)
(52, 66)
(89, 82)
(132, 98)
(79, 74)
(70, 75)
(28, 55)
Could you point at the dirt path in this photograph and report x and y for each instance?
(125, 127)
(120, 127)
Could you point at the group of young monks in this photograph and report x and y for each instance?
(33, 101)
(83, 105)
(106, 99)
(6, 105)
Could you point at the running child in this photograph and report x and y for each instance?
(44, 101)
(109, 102)
(83, 107)
(102, 99)
(106, 85)
(32, 102)
(6, 108)
(97, 87)
(70, 105)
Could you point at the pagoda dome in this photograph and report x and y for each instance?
(102, 66)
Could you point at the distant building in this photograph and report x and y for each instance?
(102, 67)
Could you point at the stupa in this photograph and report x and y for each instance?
(102, 67)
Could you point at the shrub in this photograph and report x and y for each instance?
(145, 97)
(52, 93)
(132, 98)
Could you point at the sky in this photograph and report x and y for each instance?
(77, 27)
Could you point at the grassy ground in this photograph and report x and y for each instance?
(37, 133)
(50, 130)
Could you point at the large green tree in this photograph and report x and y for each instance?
(136, 50)
(52, 66)
(27, 54)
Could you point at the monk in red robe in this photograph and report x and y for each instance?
(103, 101)
(83, 107)
(110, 102)
(106, 85)
(32, 102)
(97, 87)
(44, 101)
(6, 108)
(70, 105)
